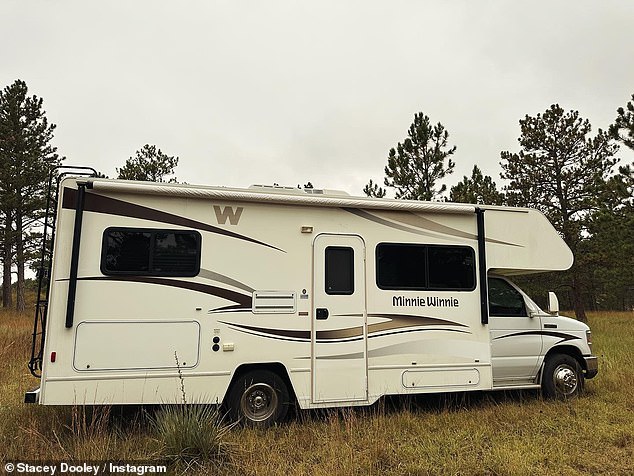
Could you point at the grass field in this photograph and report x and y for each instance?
(482, 433)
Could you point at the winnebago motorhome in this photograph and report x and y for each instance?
(263, 297)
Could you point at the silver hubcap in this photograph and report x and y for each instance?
(259, 402)
(565, 380)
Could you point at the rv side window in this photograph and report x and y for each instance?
(401, 266)
(504, 299)
(425, 267)
(339, 270)
(451, 268)
(149, 252)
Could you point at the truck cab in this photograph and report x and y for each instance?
(531, 347)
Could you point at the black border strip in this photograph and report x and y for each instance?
(74, 258)
(482, 265)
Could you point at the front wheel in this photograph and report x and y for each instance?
(562, 377)
(259, 398)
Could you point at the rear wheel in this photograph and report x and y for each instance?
(562, 378)
(259, 398)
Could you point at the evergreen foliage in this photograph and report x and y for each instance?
(610, 257)
(561, 169)
(374, 190)
(623, 128)
(477, 189)
(565, 174)
(149, 165)
(416, 166)
(26, 159)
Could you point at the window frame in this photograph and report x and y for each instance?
(150, 272)
(352, 273)
(426, 287)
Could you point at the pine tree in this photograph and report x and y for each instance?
(623, 128)
(610, 256)
(26, 159)
(610, 248)
(623, 131)
(373, 190)
(150, 165)
(7, 254)
(476, 189)
(416, 166)
(564, 173)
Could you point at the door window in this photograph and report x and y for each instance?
(504, 299)
(339, 270)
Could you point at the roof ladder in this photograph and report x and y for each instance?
(46, 260)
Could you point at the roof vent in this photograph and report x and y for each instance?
(275, 188)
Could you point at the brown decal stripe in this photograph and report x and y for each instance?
(241, 299)
(233, 307)
(349, 333)
(560, 335)
(405, 331)
(356, 355)
(422, 226)
(221, 278)
(417, 221)
(283, 333)
(352, 333)
(376, 219)
(399, 324)
(111, 206)
(403, 321)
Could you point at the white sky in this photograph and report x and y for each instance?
(289, 91)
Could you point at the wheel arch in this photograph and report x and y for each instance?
(276, 367)
(570, 350)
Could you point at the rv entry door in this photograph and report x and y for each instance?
(339, 329)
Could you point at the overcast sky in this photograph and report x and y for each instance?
(289, 91)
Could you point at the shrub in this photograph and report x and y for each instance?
(191, 434)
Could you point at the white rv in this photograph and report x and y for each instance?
(264, 297)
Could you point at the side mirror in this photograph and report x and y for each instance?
(553, 303)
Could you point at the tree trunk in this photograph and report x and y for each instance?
(20, 304)
(7, 298)
(577, 297)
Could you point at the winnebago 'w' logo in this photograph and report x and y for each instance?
(228, 212)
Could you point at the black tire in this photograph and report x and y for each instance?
(562, 377)
(258, 399)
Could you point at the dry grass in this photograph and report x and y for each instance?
(484, 433)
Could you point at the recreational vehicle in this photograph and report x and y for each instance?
(266, 297)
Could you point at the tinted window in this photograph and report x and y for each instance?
(425, 267)
(450, 267)
(127, 251)
(504, 299)
(175, 252)
(339, 270)
(401, 266)
(150, 252)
